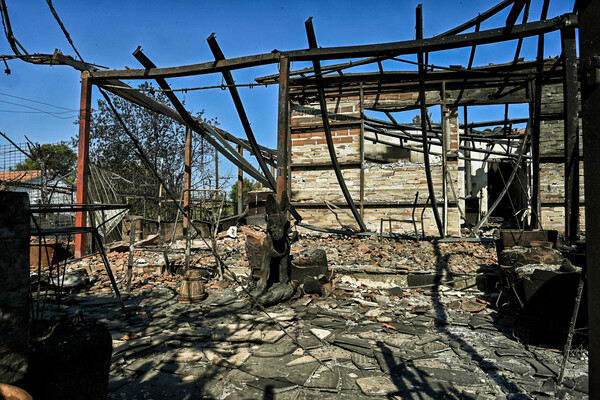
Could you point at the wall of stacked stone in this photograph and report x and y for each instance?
(552, 183)
(399, 182)
(311, 147)
(552, 171)
(554, 218)
(391, 183)
(552, 141)
(323, 217)
(395, 183)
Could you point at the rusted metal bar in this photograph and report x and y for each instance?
(331, 53)
(589, 46)
(514, 14)
(237, 101)
(536, 123)
(114, 86)
(98, 239)
(240, 185)
(436, 214)
(127, 92)
(467, 153)
(479, 18)
(283, 129)
(83, 154)
(362, 153)
(224, 148)
(312, 43)
(187, 194)
(570, 89)
(473, 48)
(445, 149)
(217, 169)
(187, 180)
(520, 41)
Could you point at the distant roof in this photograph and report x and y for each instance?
(20, 176)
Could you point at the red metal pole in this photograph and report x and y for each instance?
(83, 161)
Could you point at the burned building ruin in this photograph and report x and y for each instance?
(439, 259)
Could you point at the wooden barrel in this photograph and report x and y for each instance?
(192, 287)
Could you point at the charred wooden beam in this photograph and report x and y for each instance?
(436, 214)
(312, 42)
(283, 129)
(332, 53)
(571, 135)
(224, 148)
(479, 19)
(536, 123)
(589, 45)
(239, 106)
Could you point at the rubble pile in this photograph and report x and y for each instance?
(352, 341)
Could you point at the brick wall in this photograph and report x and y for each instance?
(390, 188)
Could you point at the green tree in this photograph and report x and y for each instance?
(51, 160)
(417, 119)
(58, 159)
(247, 186)
(162, 140)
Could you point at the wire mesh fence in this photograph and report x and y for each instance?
(10, 156)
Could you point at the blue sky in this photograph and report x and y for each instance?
(174, 33)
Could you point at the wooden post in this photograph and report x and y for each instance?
(362, 154)
(283, 128)
(589, 45)
(571, 135)
(187, 180)
(83, 155)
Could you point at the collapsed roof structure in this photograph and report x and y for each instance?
(312, 101)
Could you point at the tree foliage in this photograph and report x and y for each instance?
(162, 140)
(54, 158)
(247, 186)
(417, 119)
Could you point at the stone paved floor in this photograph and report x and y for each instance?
(353, 342)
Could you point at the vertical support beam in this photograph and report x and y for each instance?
(535, 154)
(589, 45)
(240, 183)
(468, 184)
(362, 153)
(216, 169)
(436, 214)
(536, 123)
(83, 155)
(570, 88)
(283, 128)
(187, 180)
(445, 136)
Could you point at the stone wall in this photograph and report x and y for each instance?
(552, 167)
(390, 188)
